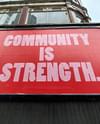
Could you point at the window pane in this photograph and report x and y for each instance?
(50, 17)
(9, 18)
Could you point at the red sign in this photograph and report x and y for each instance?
(53, 61)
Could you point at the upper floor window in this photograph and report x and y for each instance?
(9, 17)
(48, 16)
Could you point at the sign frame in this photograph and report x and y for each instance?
(38, 27)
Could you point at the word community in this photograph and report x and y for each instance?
(46, 39)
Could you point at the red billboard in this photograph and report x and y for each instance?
(50, 61)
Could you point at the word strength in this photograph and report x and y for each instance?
(48, 72)
(46, 39)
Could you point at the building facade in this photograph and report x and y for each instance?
(43, 109)
(32, 12)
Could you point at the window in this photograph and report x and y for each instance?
(48, 16)
(9, 17)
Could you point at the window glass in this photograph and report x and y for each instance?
(48, 17)
(9, 18)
